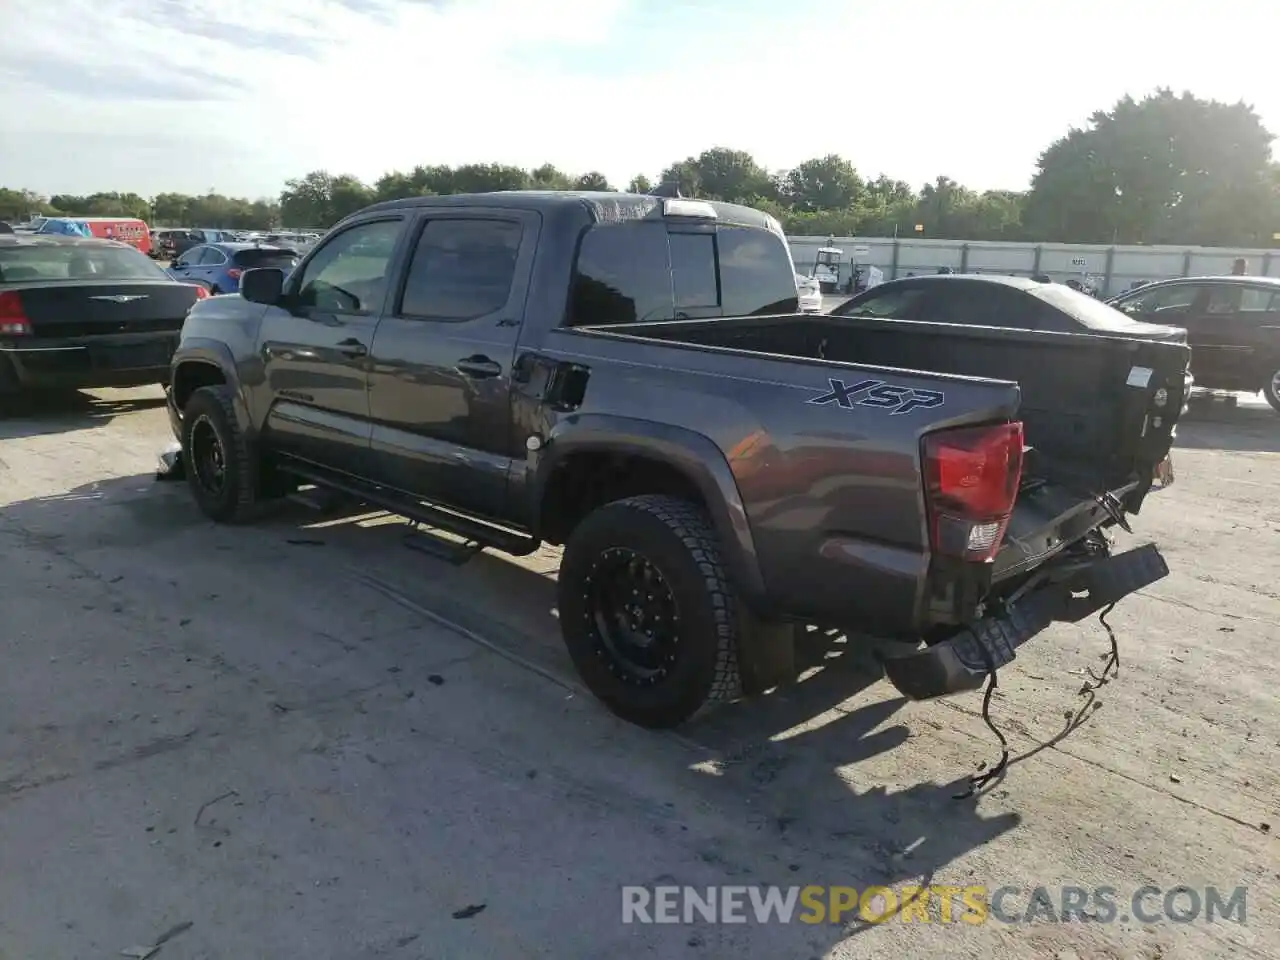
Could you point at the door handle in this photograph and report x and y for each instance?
(352, 347)
(478, 367)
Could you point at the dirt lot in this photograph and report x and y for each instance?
(305, 740)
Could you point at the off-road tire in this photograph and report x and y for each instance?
(1271, 390)
(237, 501)
(675, 536)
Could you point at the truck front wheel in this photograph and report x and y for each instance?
(1271, 389)
(220, 465)
(647, 611)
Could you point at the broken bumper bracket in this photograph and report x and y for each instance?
(962, 662)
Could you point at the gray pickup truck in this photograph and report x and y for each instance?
(629, 376)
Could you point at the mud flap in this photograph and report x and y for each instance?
(170, 464)
(962, 662)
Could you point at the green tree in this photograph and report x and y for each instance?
(550, 177)
(824, 183)
(17, 205)
(639, 184)
(487, 177)
(592, 181)
(321, 199)
(685, 175)
(1165, 169)
(722, 174)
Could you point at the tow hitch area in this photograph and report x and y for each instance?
(964, 661)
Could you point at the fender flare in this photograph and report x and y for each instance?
(214, 353)
(693, 454)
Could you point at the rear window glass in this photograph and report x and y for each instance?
(280, 259)
(756, 272)
(49, 262)
(891, 304)
(693, 270)
(1091, 313)
(642, 272)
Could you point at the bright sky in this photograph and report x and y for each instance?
(239, 95)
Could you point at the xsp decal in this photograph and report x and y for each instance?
(877, 393)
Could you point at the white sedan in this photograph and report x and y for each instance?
(809, 293)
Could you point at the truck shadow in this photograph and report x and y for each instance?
(806, 764)
(33, 415)
(823, 771)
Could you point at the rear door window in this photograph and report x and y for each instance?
(623, 276)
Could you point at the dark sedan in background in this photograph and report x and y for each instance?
(990, 300)
(1232, 324)
(78, 312)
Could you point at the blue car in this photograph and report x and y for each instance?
(218, 266)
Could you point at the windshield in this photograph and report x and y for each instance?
(1090, 312)
(45, 262)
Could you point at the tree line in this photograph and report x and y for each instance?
(1168, 168)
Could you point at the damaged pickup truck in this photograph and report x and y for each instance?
(629, 376)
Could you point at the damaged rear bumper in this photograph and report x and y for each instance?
(962, 662)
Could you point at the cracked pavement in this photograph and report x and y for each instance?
(339, 748)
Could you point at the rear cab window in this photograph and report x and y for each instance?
(647, 271)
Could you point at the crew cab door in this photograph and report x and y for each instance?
(315, 346)
(440, 378)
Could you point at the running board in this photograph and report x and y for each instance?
(450, 551)
(477, 534)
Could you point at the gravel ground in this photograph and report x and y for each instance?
(304, 740)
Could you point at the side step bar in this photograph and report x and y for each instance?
(477, 533)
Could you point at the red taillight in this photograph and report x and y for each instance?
(201, 292)
(971, 477)
(234, 273)
(13, 319)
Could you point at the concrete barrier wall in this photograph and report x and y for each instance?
(1110, 269)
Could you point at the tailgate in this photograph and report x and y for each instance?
(1046, 519)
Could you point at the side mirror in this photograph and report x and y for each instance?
(263, 285)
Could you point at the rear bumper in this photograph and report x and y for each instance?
(962, 662)
(123, 360)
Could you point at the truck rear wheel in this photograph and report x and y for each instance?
(647, 611)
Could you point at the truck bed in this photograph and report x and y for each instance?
(1086, 401)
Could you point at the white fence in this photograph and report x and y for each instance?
(1109, 269)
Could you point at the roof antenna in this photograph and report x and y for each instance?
(667, 189)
